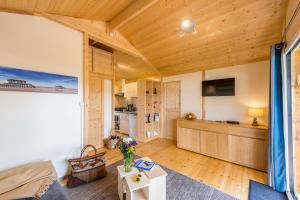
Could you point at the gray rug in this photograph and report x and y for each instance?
(179, 187)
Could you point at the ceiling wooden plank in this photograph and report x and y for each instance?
(97, 30)
(102, 10)
(129, 13)
(229, 32)
(131, 68)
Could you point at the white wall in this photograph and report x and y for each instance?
(191, 92)
(40, 126)
(251, 90)
(107, 107)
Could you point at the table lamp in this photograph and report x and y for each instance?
(255, 112)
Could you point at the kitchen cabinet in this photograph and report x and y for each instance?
(124, 123)
(132, 124)
(130, 90)
(128, 123)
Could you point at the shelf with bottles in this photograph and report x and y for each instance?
(156, 117)
(156, 127)
(156, 88)
(148, 110)
(148, 127)
(149, 86)
(148, 107)
(156, 105)
(150, 101)
(148, 119)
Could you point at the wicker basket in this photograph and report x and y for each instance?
(86, 169)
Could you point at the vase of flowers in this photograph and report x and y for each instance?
(127, 148)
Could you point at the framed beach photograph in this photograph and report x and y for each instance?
(12, 79)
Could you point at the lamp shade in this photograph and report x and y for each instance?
(255, 112)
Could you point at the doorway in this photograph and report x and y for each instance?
(172, 96)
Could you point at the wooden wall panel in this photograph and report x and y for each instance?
(102, 62)
(95, 112)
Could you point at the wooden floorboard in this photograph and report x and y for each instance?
(227, 177)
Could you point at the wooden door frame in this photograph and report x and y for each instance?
(164, 105)
(86, 75)
(85, 86)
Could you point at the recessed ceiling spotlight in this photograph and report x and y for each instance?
(181, 34)
(187, 26)
(111, 34)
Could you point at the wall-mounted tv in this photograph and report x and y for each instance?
(219, 87)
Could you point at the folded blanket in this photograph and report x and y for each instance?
(31, 180)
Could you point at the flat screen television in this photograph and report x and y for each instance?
(219, 87)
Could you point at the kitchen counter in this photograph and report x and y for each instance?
(127, 122)
(127, 112)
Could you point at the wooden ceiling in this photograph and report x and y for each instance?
(230, 32)
(103, 10)
(131, 67)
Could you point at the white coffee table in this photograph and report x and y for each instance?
(152, 185)
(137, 190)
(121, 177)
(157, 177)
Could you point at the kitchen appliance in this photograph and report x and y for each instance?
(117, 122)
(120, 109)
(130, 108)
(120, 94)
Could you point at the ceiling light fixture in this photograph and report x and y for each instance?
(187, 26)
(111, 34)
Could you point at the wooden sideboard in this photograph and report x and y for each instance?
(241, 144)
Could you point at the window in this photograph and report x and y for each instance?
(292, 87)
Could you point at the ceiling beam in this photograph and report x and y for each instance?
(97, 32)
(129, 13)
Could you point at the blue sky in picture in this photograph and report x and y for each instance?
(38, 78)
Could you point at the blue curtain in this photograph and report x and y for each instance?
(277, 165)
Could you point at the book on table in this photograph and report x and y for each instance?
(144, 165)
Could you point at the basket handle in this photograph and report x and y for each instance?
(84, 149)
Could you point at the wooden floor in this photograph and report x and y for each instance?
(227, 177)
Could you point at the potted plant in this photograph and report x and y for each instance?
(127, 148)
